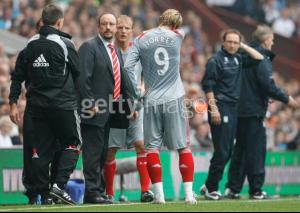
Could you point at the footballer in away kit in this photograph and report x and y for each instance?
(165, 122)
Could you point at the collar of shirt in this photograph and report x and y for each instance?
(106, 43)
(127, 49)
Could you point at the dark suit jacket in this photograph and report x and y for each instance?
(97, 83)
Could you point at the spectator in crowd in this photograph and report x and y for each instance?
(194, 28)
(201, 137)
(221, 3)
(6, 128)
(297, 33)
(251, 9)
(283, 15)
(284, 25)
(297, 140)
(271, 11)
(281, 121)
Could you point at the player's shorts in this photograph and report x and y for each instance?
(167, 125)
(126, 138)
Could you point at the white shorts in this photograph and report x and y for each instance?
(126, 138)
(167, 125)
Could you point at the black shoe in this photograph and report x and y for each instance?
(61, 195)
(112, 199)
(89, 199)
(123, 199)
(47, 201)
(104, 196)
(57, 201)
(259, 196)
(147, 197)
(229, 194)
(213, 196)
(32, 199)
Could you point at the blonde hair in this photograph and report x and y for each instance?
(171, 18)
(261, 33)
(125, 18)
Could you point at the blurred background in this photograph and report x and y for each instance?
(203, 22)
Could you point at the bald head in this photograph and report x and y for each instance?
(107, 26)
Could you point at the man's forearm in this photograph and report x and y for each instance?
(15, 92)
(212, 102)
(252, 52)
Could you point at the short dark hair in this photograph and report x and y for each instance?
(101, 15)
(231, 31)
(51, 14)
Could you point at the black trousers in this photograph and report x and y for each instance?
(249, 156)
(223, 139)
(94, 150)
(28, 146)
(28, 176)
(52, 126)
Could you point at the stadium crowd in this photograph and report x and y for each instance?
(20, 16)
(282, 15)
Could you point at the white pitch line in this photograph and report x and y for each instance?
(68, 207)
(138, 204)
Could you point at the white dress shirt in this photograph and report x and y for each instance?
(106, 43)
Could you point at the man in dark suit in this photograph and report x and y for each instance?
(102, 86)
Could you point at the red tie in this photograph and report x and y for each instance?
(116, 69)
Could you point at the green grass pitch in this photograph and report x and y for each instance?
(280, 205)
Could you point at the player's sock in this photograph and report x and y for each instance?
(188, 190)
(141, 163)
(155, 173)
(186, 165)
(154, 167)
(109, 175)
(159, 193)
